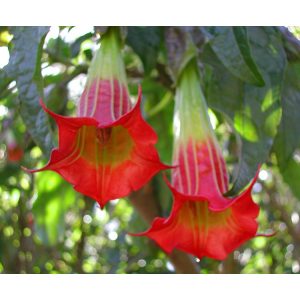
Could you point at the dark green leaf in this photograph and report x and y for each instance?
(145, 41)
(25, 67)
(231, 45)
(288, 137)
(254, 111)
(291, 175)
(58, 49)
(75, 46)
(241, 36)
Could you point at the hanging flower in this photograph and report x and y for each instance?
(202, 222)
(108, 149)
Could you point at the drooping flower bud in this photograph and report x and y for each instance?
(106, 97)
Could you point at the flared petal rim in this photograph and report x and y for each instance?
(102, 181)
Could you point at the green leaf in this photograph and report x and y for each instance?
(231, 45)
(291, 175)
(25, 67)
(145, 42)
(58, 48)
(288, 137)
(75, 46)
(254, 111)
(55, 196)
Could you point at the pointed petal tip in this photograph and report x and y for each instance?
(275, 232)
(27, 170)
(101, 205)
(45, 108)
(33, 170)
(164, 166)
(136, 234)
(139, 91)
(42, 103)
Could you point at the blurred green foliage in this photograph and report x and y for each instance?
(250, 77)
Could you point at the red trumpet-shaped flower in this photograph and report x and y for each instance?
(202, 222)
(108, 149)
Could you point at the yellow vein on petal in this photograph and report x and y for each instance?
(220, 165)
(120, 99)
(196, 166)
(96, 100)
(65, 161)
(198, 223)
(176, 171)
(186, 167)
(212, 164)
(112, 111)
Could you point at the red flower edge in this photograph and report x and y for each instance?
(197, 226)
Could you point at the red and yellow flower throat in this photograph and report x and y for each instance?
(100, 146)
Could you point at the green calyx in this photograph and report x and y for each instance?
(108, 63)
(191, 118)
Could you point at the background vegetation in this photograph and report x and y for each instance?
(251, 79)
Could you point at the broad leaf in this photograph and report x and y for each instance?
(58, 50)
(145, 41)
(254, 111)
(232, 47)
(291, 175)
(288, 137)
(25, 67)
(55, 197)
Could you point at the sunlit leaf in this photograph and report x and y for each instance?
(54, 198)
